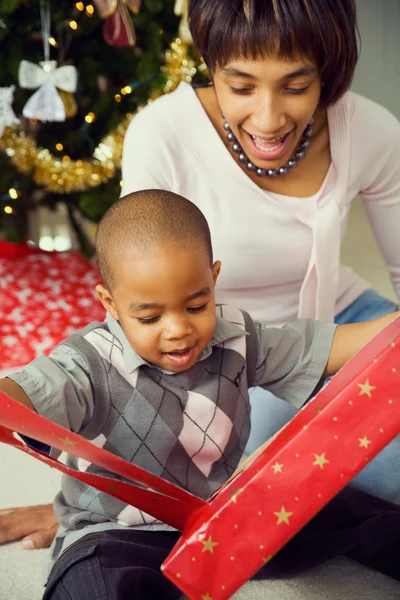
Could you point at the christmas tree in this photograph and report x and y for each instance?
(118, 49)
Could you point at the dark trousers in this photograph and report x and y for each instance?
(125, 564)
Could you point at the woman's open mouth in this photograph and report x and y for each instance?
(268, 149)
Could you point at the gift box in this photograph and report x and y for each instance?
(227, 538)
(293, 476)
(62, 285)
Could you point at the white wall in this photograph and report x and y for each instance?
(377, 77)
(378, 71)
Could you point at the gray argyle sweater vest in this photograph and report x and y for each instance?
(190, 428)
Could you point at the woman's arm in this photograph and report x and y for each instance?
(379, 131)
(350, 338)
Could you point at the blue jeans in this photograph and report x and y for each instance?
(268, 414)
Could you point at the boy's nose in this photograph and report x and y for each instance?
(177, 329)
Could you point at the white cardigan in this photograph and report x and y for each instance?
(280, 255)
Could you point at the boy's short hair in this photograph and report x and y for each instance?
(322, 30)
(143, 221)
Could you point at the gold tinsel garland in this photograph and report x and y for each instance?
(63, 176)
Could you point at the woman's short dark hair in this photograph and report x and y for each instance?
(323, 30)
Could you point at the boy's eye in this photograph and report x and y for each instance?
(148, 320)
(196, 309)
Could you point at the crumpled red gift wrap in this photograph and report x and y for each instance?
(227, 538)
(44, 297)
(165, 501)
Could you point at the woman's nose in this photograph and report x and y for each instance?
(268, 117)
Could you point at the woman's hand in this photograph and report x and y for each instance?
(36, 525)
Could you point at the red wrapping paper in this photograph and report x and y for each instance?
(44, 297)
(294, 477)
(159, 497)
(227, 538)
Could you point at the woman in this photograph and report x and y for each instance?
(273, 151)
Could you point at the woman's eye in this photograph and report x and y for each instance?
(297, 91)
(196, 309)
(148, 320)
(240, 91)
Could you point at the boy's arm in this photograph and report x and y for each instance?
(350, 338)
(291, 360)
(57, 387)
(15, 391)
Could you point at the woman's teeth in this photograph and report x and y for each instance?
(269, 144)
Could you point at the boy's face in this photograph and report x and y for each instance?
(165, 303)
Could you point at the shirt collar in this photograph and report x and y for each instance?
(224, 330)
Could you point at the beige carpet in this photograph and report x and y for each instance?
(25, 481)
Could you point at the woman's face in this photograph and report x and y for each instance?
(268, 103)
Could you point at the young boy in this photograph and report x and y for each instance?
(163, 383)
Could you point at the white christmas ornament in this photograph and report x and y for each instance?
(7, 115)
(181, 10)
(46, 104)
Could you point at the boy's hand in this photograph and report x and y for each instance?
(37, 526)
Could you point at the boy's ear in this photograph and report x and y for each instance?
(216, 268)
(107, 300)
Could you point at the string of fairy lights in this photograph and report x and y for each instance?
(61, 174)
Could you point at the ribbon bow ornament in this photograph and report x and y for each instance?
(118, 30)
(46, 104)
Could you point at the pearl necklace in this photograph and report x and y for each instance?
(284, 170)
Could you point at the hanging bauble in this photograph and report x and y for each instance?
(70, 105)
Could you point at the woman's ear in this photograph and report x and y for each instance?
(107, 301)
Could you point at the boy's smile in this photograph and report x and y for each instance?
(165, 303)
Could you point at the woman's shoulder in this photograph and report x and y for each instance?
(371, 120)
(153, 142)
(372, 131)
(158, 116)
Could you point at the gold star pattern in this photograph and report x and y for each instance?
(111, 489)
(206, 597)
(209, 545)
(277, 467)
(320, 460)
(283, 516)
(364, 442)
(266, 560)
(366, 388)
(67, 442)
(235, 494)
